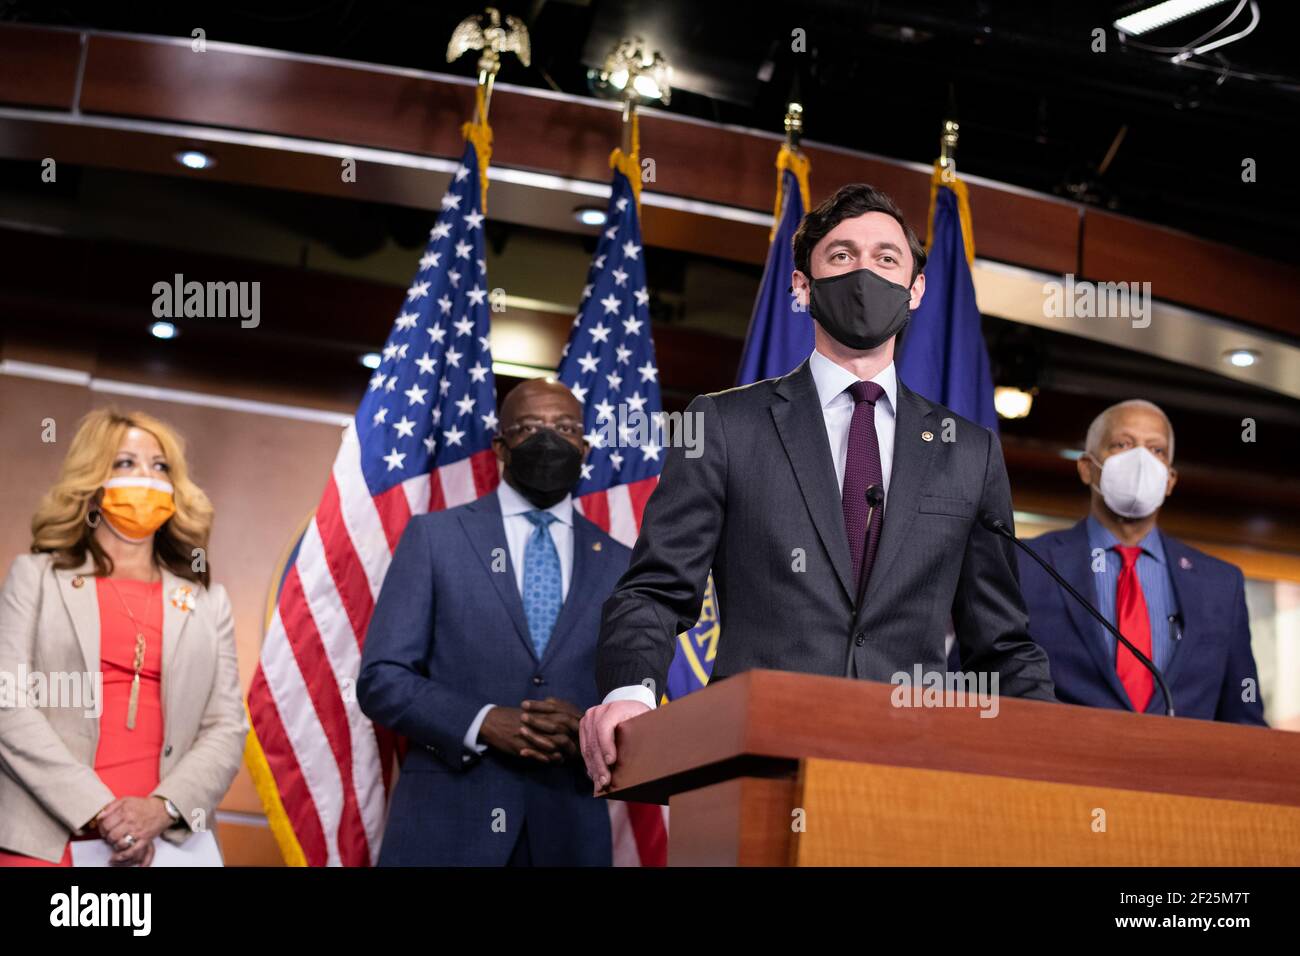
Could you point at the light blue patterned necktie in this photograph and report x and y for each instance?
(543, 587)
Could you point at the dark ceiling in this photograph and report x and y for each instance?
(1038, 107)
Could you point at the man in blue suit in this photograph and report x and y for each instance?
(481, 652)
(1183, 608)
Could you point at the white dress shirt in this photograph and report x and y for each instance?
(518, 530)
(837, 404)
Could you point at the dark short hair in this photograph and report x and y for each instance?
(849, 202)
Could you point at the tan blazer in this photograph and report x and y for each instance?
(49, 625)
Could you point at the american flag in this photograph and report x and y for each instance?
(609, 364)
(420, 441)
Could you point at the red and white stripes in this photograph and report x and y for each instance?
(639, 830)
(328, 761)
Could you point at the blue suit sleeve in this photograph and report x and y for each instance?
(1241, 668)
(394, 688)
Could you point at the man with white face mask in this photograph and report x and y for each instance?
(1184, 609)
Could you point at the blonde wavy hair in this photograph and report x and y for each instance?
(61, 527)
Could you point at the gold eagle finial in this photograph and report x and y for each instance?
(485, 32)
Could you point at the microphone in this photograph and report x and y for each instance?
(995, 524)
(875, 497)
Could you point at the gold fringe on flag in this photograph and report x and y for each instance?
(797, 163)
(940, 177)
(276, 816)
(480, 134)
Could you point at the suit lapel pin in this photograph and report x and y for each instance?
(78, 581)
(927, 436)
(1185, 563)
(596, 546)
(183, 598)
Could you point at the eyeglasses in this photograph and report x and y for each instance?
(529, 429)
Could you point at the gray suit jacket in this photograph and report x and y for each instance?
(49, 625)
(762, 508)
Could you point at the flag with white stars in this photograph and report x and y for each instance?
(432, 401)
(609, 365)
(420, 441)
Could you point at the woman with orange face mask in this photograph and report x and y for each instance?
(122, 721)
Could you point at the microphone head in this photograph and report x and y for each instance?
(993, 523)
(875, 495)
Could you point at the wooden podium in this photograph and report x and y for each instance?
(780, 769)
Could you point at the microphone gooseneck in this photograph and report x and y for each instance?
(875, 495)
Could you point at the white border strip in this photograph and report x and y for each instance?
(67, 376)
(242, 819)
(384, 157)
(47, 373)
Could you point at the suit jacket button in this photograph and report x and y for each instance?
(167, 751)
(861, 638)
(538, 681)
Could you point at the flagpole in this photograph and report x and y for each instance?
(945, 175)
(485, 32)
(948, 148)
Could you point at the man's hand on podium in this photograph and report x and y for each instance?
(596, 737)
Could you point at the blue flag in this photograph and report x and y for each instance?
(943, 356)
(780, 336)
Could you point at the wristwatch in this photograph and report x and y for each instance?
(172, 812)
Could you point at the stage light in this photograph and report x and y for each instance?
(590, 215)
(193, 159)
(371, 360)
(1012, 402)
(1241, 358)
(164, 330)
(647, 87)
(632, 72)
(1161, 15)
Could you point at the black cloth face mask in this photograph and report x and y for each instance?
(545, 467)
(859, 309)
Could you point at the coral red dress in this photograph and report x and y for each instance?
(126, 760)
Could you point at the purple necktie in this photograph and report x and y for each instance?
(861, 471)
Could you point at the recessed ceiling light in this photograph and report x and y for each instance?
(1242, 358)
(164, 330)
(1012, 402)
(371, 360)
(193, 159)
(590, 215)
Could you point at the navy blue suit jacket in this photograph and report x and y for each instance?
(1209, 662)
(449, 635)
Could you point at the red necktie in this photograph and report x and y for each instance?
(861, 471)
(1133, 623)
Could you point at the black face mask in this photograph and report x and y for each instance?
(859, 309)
(545, 467)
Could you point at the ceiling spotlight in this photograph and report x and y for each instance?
(1241, 358)
(1159, 15)
(1012, 402)
(371, 360)
(193, 159)
(632, 71)
(164, 330)
(590, 215)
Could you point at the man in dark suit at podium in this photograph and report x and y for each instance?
(1184, 609)
(777, 504)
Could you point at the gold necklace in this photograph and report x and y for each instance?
(134, 703)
